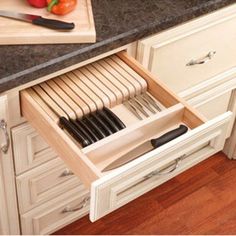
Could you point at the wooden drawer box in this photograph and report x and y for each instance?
(55, 214)
(189, 54)
(44, 183)
(112, 189)
(29, 148)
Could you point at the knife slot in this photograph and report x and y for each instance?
(129, 73)
(131, 88)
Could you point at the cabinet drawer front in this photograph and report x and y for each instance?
(30, 150)
(44, 183)
(172, 59)
(215, 96)
(55, 214)
(89, 162)
(156, 167)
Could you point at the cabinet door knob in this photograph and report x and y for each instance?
(3, 126)
(203, 60)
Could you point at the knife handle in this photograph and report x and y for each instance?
(167, 137)
(114, 117)
(108, 121)
(82, 131)
(53, 24)
(73, 131)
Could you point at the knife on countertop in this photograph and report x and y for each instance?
(38, 20)
(147, 147)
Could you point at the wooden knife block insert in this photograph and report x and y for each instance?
(108, 82)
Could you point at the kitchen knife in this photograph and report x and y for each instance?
(87, 129)
(147, 147)
(145, 103)
(150, 100)
(132, 109)
(94, 127)
(82, 131)
(114, 117)
(108, 121)
(138, 106)
(74, 132)
(101, 123)
(38, 20)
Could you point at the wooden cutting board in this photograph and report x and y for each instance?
(17, 32)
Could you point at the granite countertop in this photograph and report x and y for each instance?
(118, 22)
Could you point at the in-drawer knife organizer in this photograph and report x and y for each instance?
(114, 82)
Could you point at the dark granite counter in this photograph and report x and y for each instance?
(118, 22)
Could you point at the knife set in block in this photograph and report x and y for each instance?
(110, 111)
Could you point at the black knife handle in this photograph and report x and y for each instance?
(114, 117)
(167, 137)
(82, 131)
(87, 129)
(53, 24)
(108, 121)
(101, 124)
(73, 131)
(93, 126)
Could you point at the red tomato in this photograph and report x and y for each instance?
(38, 3)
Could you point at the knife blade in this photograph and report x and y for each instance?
(38, 20)
(146, 147)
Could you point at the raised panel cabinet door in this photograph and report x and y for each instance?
(187, 55)
(4, 227)
(9, 223)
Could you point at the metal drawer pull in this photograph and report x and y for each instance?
(203, 60)
(161, 172)
(66, 172)
(83, 204)
(3, 126)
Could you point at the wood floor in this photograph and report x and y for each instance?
(202, 200)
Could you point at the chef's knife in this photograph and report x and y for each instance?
(147, 147)
(38, 20)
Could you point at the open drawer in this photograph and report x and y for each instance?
(111, 189)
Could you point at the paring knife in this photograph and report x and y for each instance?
(38, 20)
(147, 147)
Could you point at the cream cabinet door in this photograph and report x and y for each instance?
(9, 223)
(3, 213)
(4, 228)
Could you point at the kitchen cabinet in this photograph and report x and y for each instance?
(185, 69)
(191, 60)
(4, 227)
(111, 190)
(191, 53)
(8, 204)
